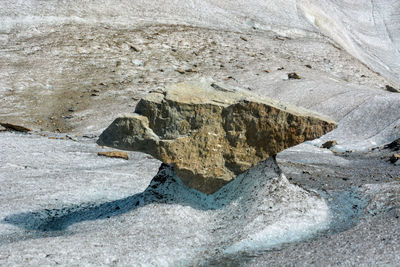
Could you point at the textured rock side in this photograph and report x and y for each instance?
(211, 133)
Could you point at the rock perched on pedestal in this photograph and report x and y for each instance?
(212, 133)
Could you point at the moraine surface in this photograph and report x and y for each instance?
(72, 67)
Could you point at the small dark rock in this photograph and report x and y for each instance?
(280, 68)
(308, 66)
(134, 48)
(392, 89)
(395, 145)
(243, 38)
(329, 144)
(394, 158)
(293, 76)
(15, 127)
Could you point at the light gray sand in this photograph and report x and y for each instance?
(73, 67)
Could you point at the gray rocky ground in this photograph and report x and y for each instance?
(68, 69)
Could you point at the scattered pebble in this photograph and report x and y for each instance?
(180, 70)
(192, 70)
(308, 66)
(395, 145)
(15, 127)
(114, 154)
(134, 48)
(329, 144)
(394, 158)
(293, 76)
(392, 89)
(280, 38)
(243, 38)
(71, 138)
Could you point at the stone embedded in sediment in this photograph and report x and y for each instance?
(114, 154)
(212, 133)
(15, 127)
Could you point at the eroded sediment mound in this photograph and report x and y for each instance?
(210, 132)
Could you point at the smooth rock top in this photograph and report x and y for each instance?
(211, 132)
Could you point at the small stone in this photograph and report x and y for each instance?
(395, 145)
(180, 70)
(280, 68)
(308, 66)
(2, 129)
(392, 89)
(293, 76)
(267, 71)
(15, 127)
(280, 38)
(71, 109)
(243, 38)
(114, 154)
(394, 158)
(71, 138)
(329, 144)
(134, 48)
(192, 70)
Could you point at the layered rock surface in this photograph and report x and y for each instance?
(212, 133)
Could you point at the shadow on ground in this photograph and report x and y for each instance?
(346, 207)
(160, 190)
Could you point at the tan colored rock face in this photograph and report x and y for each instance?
(211, 133)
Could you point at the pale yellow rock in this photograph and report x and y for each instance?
(212, 133)
(114, 154)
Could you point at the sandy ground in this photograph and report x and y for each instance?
(67, 70)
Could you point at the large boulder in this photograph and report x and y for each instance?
(211, 133)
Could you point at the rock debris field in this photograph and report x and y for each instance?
(68, 70)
